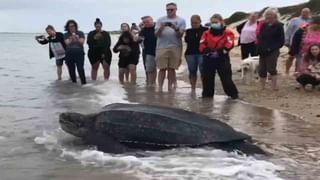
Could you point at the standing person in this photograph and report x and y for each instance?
(248, 36)
(215, 45)
(292, 28)
(129, 51)
(74, 40)
(169, 30)
(147, 34)
(192, 54)
(305, 37)
(99, 42)
(271, 39)
(56, 47)
(309, 71)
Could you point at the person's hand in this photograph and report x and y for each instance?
(162, 26)
(174, 27)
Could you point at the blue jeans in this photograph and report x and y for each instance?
(75, 59)
(194, 62)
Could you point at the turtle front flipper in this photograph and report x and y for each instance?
(107, 144)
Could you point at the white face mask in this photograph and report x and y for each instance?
(216, 26)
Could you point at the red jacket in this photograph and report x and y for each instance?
(224, 41)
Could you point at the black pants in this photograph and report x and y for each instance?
(223, 67)
(75, 58)
(249, 49)
(305, 79)
(268, 64)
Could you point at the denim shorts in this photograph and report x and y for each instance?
(150, 63)
(59, 62)
(194, 62)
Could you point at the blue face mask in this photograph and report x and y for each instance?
(216, 26)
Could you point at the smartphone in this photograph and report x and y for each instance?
(168, 24)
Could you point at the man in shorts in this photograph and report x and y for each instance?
(147, 35)
(169, 31)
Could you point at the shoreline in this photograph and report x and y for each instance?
(289, 99)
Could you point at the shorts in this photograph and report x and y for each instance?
(150, 63)
(96, 56)
(59, 62)
(125, 62)
(168, 58)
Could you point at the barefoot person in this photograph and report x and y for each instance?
(169, 30)
(147, 35)
(56, 47)
(248, 36)
(309, 72)
(74, 40)
(99, 42)
(294, 25)
(215, 45)
(193, 56)
(270, 40)
(305, 37)
(128, 51)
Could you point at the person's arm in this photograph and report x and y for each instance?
(159, 28)
(90, 39)
(116, 47)
(187, 37)
(82, 38)
(230, 40)
(289, 33)
(296, 43)
(240, 27)
(108, 40)
(67, 39)
(281, 37)
(180, 29)
(203, 43)
(43, 41)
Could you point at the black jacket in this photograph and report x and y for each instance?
(296, 42)
(239, 29)
(59, 38)
(271, 38)
(192, 38)
(150, 40)
(105, 43)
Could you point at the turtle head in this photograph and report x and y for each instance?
(76, 124)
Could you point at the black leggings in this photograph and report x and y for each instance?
(305, 79)
(248, 49)
(76, 59)
(223, 67)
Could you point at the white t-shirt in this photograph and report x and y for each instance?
(168, 37)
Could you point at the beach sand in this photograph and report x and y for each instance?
(288, 99)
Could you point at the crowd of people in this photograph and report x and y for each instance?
(207, 49)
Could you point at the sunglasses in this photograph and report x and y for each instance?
(72, 25)
(170, 9)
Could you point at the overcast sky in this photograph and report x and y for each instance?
(34, 15)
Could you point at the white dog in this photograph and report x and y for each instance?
(249, 67)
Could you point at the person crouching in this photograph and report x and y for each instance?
(215, 45)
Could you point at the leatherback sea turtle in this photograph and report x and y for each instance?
(120, 128)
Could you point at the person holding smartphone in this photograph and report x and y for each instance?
(56, 47)
(74, 40)
(169, 31)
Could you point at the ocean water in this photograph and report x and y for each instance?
(33, 147)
